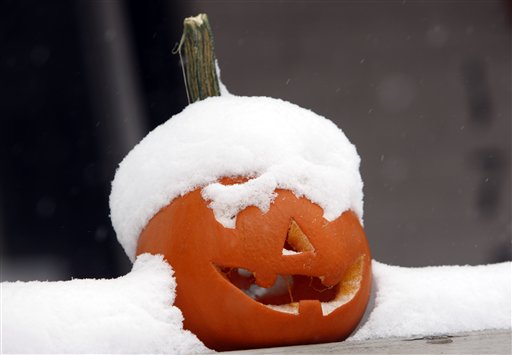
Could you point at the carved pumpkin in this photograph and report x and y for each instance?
(287, 276)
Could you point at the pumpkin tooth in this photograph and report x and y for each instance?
(310, 308)
(280, 286)
(330, 281)
(265, 279)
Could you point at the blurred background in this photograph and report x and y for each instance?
(421, 88)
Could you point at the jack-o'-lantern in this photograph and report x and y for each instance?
(257, 204)
(286, 276)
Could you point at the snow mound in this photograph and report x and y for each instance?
(275, 143)
(438, 300)
(131, 314)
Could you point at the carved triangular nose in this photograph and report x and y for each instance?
(296, 240)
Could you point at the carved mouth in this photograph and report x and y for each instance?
(288, 290)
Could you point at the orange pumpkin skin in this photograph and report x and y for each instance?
(223, 316)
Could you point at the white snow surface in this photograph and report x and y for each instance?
(275, 143)
(131, 314)
(223, 89)
(437, 300)
(134, 313)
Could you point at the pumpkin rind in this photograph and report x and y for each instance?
(221, 315)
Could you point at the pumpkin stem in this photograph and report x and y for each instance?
(198, 59)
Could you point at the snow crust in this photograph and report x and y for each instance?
(273, 142)
(438, 300)
(131, 314)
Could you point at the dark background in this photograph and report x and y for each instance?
(421, 88)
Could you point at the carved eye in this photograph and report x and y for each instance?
(296, 241)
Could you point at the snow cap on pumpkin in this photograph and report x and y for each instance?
(275, 143)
